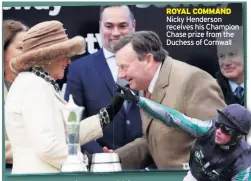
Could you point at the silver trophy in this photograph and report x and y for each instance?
(75, 162)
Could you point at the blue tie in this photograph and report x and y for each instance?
(239, 92)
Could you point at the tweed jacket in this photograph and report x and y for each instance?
(187, 89)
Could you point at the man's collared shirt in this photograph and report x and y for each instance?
(233, 85)
(155, 77)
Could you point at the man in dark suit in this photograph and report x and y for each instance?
(231, 62)
(91, 81)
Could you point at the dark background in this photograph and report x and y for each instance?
(80, 20)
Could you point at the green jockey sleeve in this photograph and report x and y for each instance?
(171, 117)
(244, 175)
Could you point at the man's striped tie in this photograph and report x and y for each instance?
(239, 92)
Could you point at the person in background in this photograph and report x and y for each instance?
(219, 153)
(13, 35)
(231, 62)
(91, 81)
(144, 63)
(34, 109)
(231, 74)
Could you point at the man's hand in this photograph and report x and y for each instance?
(127, 93)
(106, 150)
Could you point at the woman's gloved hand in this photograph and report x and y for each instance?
(127, 94)
(107, 114)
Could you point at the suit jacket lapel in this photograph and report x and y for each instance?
(162, 81)
(105, 73)
(159, 87)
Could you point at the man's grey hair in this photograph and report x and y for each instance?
(143, 42)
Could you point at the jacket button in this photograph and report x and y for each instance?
(128, 122)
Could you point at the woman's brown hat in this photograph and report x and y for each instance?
(46, 41)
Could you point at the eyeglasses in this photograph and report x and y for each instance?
(226, 130)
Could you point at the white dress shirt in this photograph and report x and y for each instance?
(153, 81)
(233, 85)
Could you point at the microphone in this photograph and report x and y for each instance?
(124, 83)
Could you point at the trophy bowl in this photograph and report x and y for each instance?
(105, 162)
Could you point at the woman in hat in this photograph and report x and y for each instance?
(220, 152)
(13, 36)
(33, 116)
